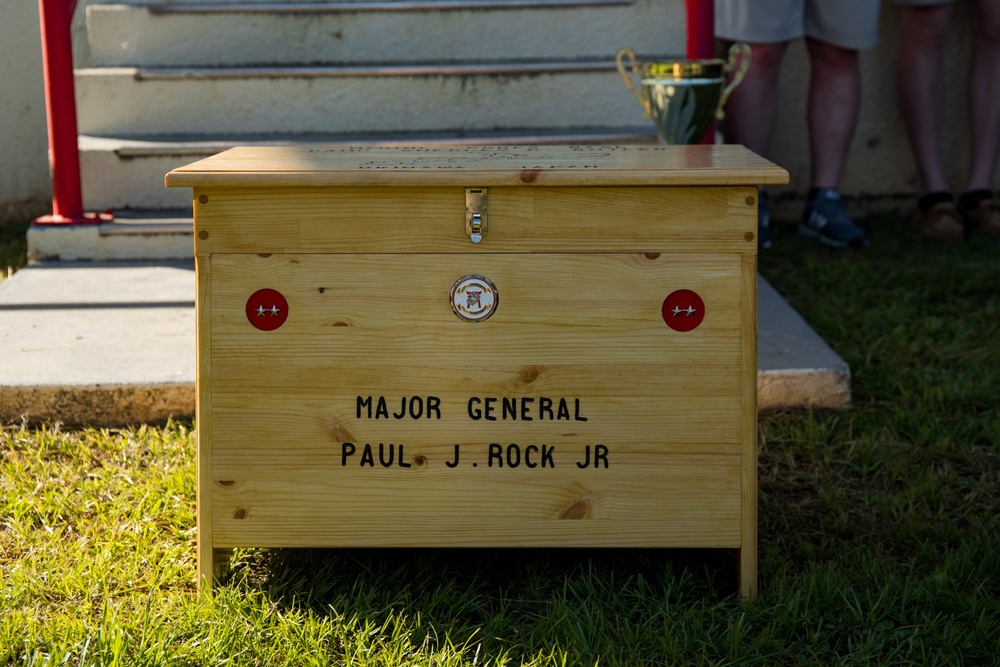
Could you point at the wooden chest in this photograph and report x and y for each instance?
(499, 346)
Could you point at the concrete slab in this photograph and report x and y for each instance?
(97, 343)
(795, 367)
(113, 343)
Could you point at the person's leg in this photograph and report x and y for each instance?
(978, 203)
(834, 101)
(750, 114)
(984, 94)
(753, 105)
(767, 26)
(920, 78)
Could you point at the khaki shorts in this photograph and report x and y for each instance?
(851, 24)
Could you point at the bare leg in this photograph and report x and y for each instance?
(834, 101)
(921, 83)
(984, 94)
(753, 105)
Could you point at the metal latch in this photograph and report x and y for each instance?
(475, 213)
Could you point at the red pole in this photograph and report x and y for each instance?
(701, 40)
(60, 106)
(700, 29)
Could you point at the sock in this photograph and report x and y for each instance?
(932, 199)
(971, 199)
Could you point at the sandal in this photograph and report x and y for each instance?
(942, 222)
(986, 216)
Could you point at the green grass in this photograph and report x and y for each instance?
(879, 528)
(13, 248)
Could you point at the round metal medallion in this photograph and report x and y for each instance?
(474, 298)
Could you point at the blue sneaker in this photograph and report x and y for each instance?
(825, 219)
(763, 221)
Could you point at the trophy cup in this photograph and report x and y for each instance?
(684, 96)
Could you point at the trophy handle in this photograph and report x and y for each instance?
(626, 52)
(738, 63)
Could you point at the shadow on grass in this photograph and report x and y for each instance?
(586, 604)
(321, 576)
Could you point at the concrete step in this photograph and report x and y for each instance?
(127, 172)
(240, 34)
(369, 5)
(131, 235)
(261, 100)
(109, 344)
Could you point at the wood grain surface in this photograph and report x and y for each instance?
(324, 166)
(574, 416)
(432, 219)
(582, 331)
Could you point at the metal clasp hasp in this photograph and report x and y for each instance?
(475, 213)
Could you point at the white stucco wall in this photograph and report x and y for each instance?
(25, 184)
(24, 169)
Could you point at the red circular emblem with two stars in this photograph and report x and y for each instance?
(683, 310)
(267, 309)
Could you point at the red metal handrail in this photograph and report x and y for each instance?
(701, 40)
(60, 106)
(700, 29)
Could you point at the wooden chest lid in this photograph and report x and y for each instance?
(319, 166)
